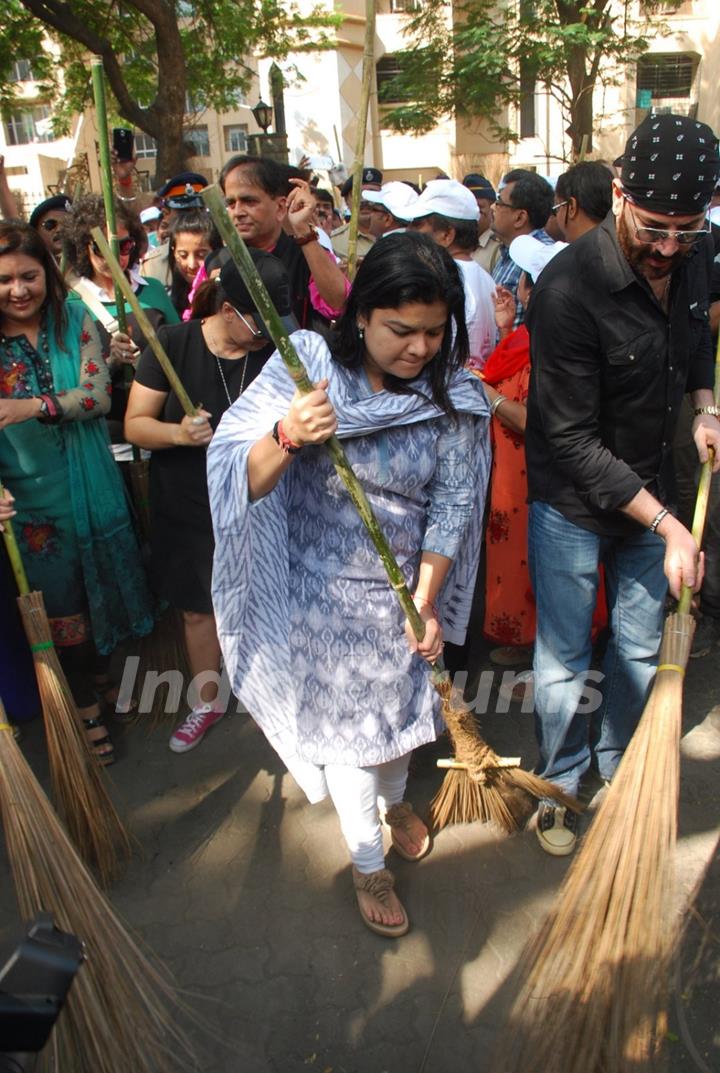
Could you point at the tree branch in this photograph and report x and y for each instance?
(62, 18)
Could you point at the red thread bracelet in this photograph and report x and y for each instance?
(284, 442)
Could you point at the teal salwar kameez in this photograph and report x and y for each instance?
(73, 526)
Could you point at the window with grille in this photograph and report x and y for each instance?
(28, 126)
(386, 70)
(21, 71)
(665, 74)
(192, 107)
(235, 138)
(145, 146)
(404, 7)
(199, 139)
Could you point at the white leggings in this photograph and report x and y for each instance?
(358, 793)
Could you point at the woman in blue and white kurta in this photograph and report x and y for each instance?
(313, 637)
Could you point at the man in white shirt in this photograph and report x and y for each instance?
(391, 208)
(448, 212)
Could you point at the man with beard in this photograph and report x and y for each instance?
(618, 332)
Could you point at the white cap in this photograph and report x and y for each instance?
(532, 255)
(447, 197)
(398, 198)
(150, 214)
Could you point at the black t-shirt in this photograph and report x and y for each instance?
(178, 482)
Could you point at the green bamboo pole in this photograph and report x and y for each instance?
(98, 80)
(367, 77)
(703, 496)
(213, 198)
(126, 292)
(11, 546)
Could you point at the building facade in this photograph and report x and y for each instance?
(680, 72)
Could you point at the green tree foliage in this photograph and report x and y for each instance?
(481, 63)
(155, 52)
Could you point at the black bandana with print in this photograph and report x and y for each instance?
(671, 165)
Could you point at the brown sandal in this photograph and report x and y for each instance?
(102, 748)
(398, 816)
(379, 885)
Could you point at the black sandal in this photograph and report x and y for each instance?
(121, 713)
(99, 746)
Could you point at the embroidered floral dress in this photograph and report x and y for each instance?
(72, 523)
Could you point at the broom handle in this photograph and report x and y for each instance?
(213, 198)
(368, 70)
(703, 495)
(11, 546)
(146, 327)
(98, 80)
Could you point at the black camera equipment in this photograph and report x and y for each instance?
(34, 984)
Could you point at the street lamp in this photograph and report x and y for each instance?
(263, 115)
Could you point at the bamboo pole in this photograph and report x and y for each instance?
(98, 80)
(484, 788)
(367, 77)
(126, 292)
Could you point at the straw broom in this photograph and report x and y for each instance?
(368, 72)
(164, 648)
(480, 785)
(121, 1014)
(595, 979)
(78, 784)
(139, 466)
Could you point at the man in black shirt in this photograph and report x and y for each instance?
(618, 330)
(261, 201)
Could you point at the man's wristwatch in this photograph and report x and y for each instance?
(712, 411)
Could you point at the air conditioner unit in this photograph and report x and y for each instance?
(677, 105)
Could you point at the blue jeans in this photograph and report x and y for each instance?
(577, 721)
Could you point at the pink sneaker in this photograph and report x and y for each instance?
(193, 730)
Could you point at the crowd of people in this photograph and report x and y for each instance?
(508, 372)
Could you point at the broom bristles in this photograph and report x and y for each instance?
(485, 790)
(78, 784)
(594, 980)
(122, 1009)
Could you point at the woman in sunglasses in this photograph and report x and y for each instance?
(92, 283)
(75, 534)
(217, 354)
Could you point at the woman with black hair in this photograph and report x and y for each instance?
(217, 355)
(192, 238)
(75, 535)
(313, 637)
(91, 281)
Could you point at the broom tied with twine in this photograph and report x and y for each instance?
(122, 1011)
(594, 986)
(480, 785)
(78, 784)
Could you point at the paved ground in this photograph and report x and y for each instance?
(243, 889)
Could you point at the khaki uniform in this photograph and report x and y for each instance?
(340, 238)
(488, 251)
(156, 266)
